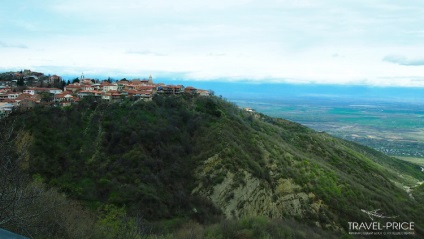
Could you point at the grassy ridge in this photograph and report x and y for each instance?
(143, 156)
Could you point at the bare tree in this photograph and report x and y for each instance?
(26, 206)
(17, 194)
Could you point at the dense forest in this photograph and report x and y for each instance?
(172, 167)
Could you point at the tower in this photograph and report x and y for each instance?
(150, 79)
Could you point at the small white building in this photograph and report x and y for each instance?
(29, 91)
(55, 91)
(5, 109)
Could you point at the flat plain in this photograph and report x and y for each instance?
(392, 127)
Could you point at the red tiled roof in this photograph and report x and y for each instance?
(63, 95)
(73, 86)
(23, 96)
(105, 83)
(42, 88)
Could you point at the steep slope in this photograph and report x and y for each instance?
(187, 156)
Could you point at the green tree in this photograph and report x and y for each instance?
(63, 84)
(20, 81)
(46, 96)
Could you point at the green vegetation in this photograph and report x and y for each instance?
(139, 169)
(419, 161)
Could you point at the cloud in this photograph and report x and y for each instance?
(337, 55)
(7, 45)
(145, 53)
(404, 61)
(303, 41)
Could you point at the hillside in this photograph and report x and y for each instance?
(204, 159)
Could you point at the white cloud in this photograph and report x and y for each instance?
(402, 60)
(283, 40)
(7, 45)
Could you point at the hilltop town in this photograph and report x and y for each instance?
(26, 89)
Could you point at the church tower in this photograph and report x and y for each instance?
(151, 79)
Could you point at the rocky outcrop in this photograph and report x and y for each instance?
(240, 194)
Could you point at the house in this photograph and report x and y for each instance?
(107, 96)
(5, 109)
(86, 81)
(87, 87)
(55, 91)
(29, 91)
(73, 87)
(54, 79)
(122, 84)
(5, 88)
(13, 95)
(28, 103)
(190, 90)
(64, 97)
(22, 97)
(112, 95)
(171, 89)
(39, 90)
(144, 82)
(132, 93)
(203, 92)
(8, 96)
(106, 86)
(116, 95)
(96, 86)
(146, 94)
(84, 93)
(132, 85)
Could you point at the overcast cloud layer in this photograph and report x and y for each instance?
(379, 42)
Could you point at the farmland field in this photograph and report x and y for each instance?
(395, 128)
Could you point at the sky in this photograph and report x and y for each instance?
(359, 42)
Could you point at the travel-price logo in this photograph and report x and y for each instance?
(389, 227)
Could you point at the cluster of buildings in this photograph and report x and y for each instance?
(29, 97)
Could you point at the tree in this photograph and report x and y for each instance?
(76, 80)
(20, 81)
(46, 96)
(26, 207)
(63, 84)
(15, 195)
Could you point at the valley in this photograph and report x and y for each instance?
(394, 128)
